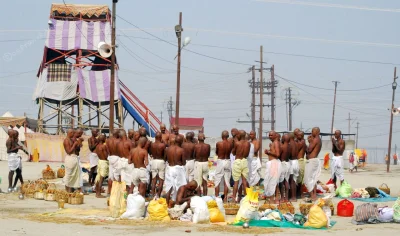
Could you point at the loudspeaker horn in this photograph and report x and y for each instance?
(104, 49)
(396, 111)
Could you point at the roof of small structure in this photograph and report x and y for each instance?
(80, 9)
(189, 122)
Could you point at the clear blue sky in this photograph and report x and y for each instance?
(224, 98)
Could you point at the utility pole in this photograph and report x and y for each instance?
(170, 111)
(349, 119)
(334, 105)
(394, 85)
(178, 31)
(112, 80)
(260, 135)
(273, 97)
(357, 135)
(161, 117)
(253, 98)
(290, 108)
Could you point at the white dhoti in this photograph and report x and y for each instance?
(72, 177)
(200, 171)
(126, 171)
(148, 168)
(295, 170)
(285, 171)
(337, 168)
(254, 164)
(158, 168)
(140, 175)
(114, 172)
(189, 167)
(14, 161)
(311, 173)
(174, 179)
(93, 160)
(272, 176)
(223, 171)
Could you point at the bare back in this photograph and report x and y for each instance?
(112, 146)
(241, 149)
(285, 152)
(124, 148)
(138, 157)
(101, 151)
(188, 151)
(294, 150)
(202, 152)
(224, 149)
(157, 150)
(175, 156)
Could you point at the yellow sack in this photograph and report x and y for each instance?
(158, 210)
(117, 200)
(248, 207)
(317, 217)
(215, 214)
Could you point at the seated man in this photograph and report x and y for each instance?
(185, 193)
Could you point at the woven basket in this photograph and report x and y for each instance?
(267, 205)
(49, 175)
(231, 211)
(75, 200)
(305, 208)
(385, 188)
(49, 197)
(39, 195)
(286, 207)
(61, 172)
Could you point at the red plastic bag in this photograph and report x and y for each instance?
(345, 208)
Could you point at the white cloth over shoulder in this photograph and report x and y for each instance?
(14, 161)
(175, 177)
(337, 167)
(272, 175)
(312, 173)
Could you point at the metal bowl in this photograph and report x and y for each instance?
(246, 225)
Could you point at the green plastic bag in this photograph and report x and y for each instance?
(344, 190)
(396, 210)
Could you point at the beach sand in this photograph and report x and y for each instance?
(38, 217)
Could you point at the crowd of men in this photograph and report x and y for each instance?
(179, 164)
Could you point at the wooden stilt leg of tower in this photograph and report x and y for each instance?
(80, 112)
(40, 118)
(120, 115)
(99, 116)
(59, 121)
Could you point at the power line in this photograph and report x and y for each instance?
(197, 53)
(330, 5)
(21, 73)
(351, 109)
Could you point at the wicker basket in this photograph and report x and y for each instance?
(61, 172)
(49, 197)
(75, 200)
(385, 188)
(49, 175)
(231, 211)
(39, 196)
(267, 205)
(286, 207)
(305, 208)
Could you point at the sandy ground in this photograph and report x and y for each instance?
(35, 217)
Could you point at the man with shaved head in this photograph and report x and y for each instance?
(313, 165)
(185, 193)
(131, 136)
(93, 158)
(165, 135)
(139, 158)
(201, 155)
(240, 168)
(294, 167)
(78, 136)
(188, 156)
(254, 162)
(223, 171)
(157, 150)
(337, 168)
(302, 147)
(273, 167)
(285, 174)
(175, 133)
